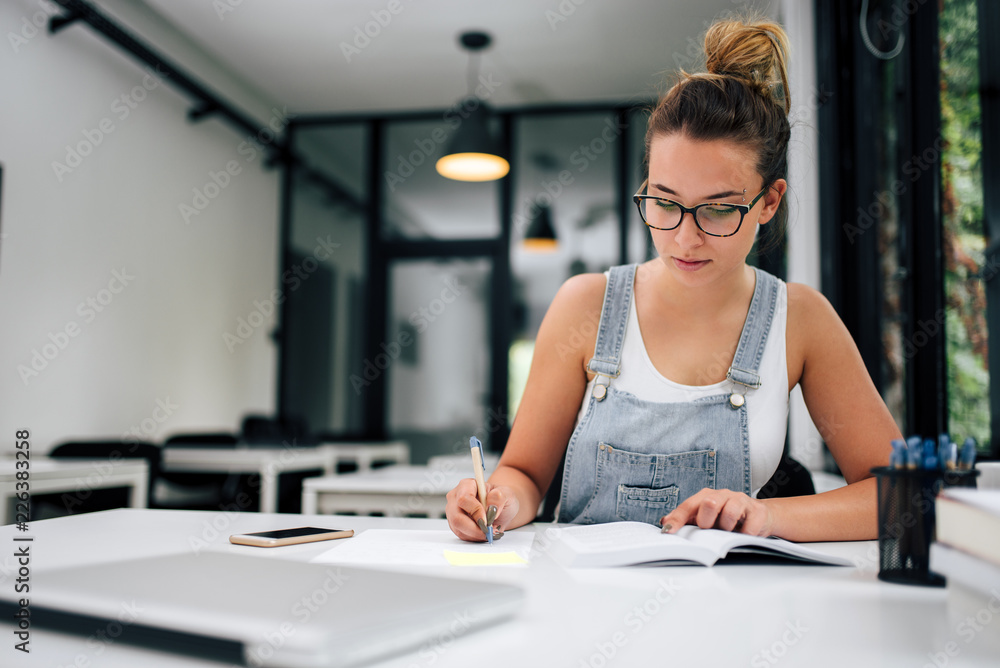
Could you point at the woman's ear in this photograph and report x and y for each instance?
(771, 200)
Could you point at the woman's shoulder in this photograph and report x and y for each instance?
(807, 302)
(569, 329)
(580, 295)
(813, 323)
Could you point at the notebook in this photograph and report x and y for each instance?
(635, 543)
(261, 611)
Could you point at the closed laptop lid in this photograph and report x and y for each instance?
(267, 611)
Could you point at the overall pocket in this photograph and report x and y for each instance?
(645, 487)
(645, 504)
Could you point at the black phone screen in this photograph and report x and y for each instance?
(292, 533)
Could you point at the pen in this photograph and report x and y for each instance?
(897, 460)
(968, 457)
(479, 468)
(929, 458)
(913, 452)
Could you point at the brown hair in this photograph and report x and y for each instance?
(742, 98)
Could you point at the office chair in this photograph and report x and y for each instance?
(266, 430)
(790, 479)
(202, 491)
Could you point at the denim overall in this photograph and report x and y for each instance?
(631, 459)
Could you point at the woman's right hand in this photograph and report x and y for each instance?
(465, 512)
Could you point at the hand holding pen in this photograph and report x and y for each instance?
(476, 509)
(479, 470)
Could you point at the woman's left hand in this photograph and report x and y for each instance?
(721, 509)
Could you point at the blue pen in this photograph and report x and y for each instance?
(943, 448)
(968, 457)
(897, 459)
(928, 455)
(913, 452)
(478, 469)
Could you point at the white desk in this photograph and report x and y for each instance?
(267, 462)
(393, 491)
(364, 454)
(728, 615)
(71, 475)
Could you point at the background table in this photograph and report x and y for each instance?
(727, 615)
(267, 462)
(393, 491)
(71, 475)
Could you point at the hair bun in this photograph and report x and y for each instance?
(755, 51)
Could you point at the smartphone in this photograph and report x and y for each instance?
(289, 536)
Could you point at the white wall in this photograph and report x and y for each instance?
(154, 356)
(805, 443)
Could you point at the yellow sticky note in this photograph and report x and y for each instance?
(482, 559)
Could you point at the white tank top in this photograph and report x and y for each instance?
(767, 406)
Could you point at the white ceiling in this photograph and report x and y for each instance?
(543, 51)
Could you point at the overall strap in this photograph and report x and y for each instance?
(614, 318)
(755, 329)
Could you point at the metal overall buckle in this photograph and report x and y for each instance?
(738, 399)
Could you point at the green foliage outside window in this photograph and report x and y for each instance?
(962, 209)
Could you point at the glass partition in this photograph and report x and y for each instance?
(566, 164)
(420, 203)
(324, 279)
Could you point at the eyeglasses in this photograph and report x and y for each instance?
(716, 219)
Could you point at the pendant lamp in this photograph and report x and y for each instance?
(473, 154)
(541, 235)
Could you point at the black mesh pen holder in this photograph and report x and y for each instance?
(906, 520)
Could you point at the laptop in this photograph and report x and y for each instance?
(261, 611)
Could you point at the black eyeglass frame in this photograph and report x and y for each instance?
(744, 209)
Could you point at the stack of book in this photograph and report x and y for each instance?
(967, 547)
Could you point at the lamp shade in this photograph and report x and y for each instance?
(472, 153)
(541, 235)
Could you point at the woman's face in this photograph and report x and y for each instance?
(692, 172)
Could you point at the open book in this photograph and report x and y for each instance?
(633, 543)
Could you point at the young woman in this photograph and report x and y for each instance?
(674, 412)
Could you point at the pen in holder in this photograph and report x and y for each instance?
(906, 520)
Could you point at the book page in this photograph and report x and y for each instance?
(631, 543)
(724, 542)
(613, 536)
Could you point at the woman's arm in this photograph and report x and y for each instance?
(546, 415)
(852, 419)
